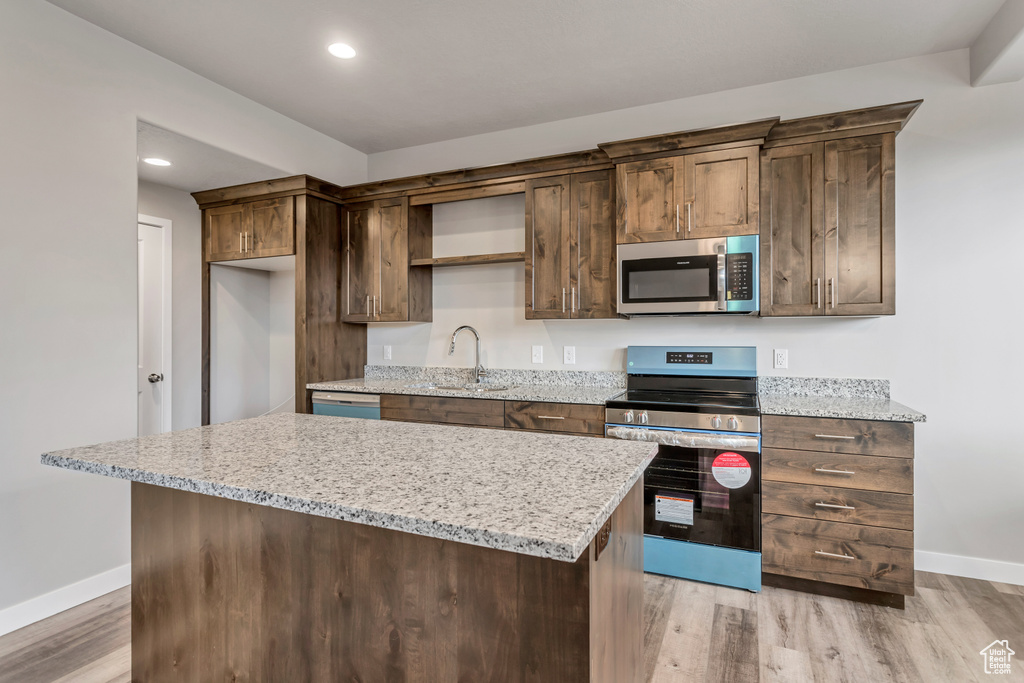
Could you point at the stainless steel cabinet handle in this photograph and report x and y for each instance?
(834, 507)
(375, 306)
(367, 305)
(817, 292)
(572, 300)
(832, 290)
(828, 471)
(246, 243)
(837, 555)
(689, 217)
(677, 219)
(549, 417)
(832, 436)
(563, 299)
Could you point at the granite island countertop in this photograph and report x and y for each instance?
(855, 399)
(536, 494)
(553, 386)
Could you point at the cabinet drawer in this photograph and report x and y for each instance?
(572, 418)
(873, 508)
(470, 412)
(868, 472)
(864, 437)
(833, 552)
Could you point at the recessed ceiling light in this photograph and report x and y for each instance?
(341, 50)
(157, 162)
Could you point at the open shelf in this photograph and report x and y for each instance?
(476, 260)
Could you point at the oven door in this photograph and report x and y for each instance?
(672, 277)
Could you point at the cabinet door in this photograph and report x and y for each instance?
(393, 284)
(362, 254)
(649, 195)
(273, 227)
(592, 237)
(721, 193)
(548, 285)
(860, 219)
(792, 230)
(226, 227)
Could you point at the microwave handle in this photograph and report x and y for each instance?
(721, 282)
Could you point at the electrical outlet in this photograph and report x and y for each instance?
(569, 355)
(538, 354)
(387, 352)
(781, 358)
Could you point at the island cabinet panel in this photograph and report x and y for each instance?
(226, 590)
(469, 412)
(570, 418)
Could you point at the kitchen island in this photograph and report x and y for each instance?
(301, 547)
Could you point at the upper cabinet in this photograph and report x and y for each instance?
(378, 282)
(688, 185)
(570, 246)
(828, 202)
(252, 229)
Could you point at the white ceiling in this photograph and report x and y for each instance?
(194, 165)
(430, 70)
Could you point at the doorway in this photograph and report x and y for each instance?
(154, 354)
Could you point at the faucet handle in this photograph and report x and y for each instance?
(480, 372)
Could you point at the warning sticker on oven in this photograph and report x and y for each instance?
(731, 470)
(674, 509)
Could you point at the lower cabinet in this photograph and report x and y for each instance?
(838, 507)
(562, 418)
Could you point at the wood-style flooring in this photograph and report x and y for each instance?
(692, 632)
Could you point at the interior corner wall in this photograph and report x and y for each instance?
(952, 350)
(178, 207)
(281, 351)
(72, 94)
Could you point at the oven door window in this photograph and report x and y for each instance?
(684, 500)
(668, 280)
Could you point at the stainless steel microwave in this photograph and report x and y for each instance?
(714, 275)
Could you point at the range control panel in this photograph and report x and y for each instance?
(691, 358)
(739, 277)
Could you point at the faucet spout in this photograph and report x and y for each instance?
(478, 371)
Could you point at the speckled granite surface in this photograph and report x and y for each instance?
(576, 386)
(536, 494)
(856, 399)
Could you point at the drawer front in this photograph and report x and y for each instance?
(470, 412)
(833, 552)
(571, 418)
(868, 472)
(863, 437)
(892, 510)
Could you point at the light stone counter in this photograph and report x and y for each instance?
(535, 494)
(856, 399)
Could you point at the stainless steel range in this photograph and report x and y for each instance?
(702, 492)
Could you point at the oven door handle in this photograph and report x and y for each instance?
(684, 439)
(721, 282)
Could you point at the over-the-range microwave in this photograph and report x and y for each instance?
(704, 276)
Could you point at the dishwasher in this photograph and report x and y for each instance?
(346, 404)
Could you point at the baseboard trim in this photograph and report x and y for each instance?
(970, 567)
(54, 602)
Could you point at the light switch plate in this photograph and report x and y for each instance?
(569, 355)
(538, 354)
(780, 358)
(387, 352)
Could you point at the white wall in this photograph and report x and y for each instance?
(178, 207)
(953, 349)
(281, 342)
(71, 96)
(239, 343)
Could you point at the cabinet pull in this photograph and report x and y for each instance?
(572, 300)
(677, 219)
(376, 307)
(828, 471)
(241, 245)
(549, 417)
(833, 436)
(367, 305)
(832, 290)
(563, 299)
(836, 555)
(689, 216)
(832, 506)
(817, 292)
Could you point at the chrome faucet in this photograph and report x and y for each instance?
(479, 369)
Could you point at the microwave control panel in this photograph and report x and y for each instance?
(739, 277)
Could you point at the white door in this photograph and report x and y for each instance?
(151, 381)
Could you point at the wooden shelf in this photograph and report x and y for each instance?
(477, 260)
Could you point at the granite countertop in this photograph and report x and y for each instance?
(857, 399)
(580, 386)
(536, 494)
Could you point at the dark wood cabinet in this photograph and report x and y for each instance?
(828, 203)
(380, 238)
(651, 192)
(570, 247)
(250, 230)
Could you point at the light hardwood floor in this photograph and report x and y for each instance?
(692, 632)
